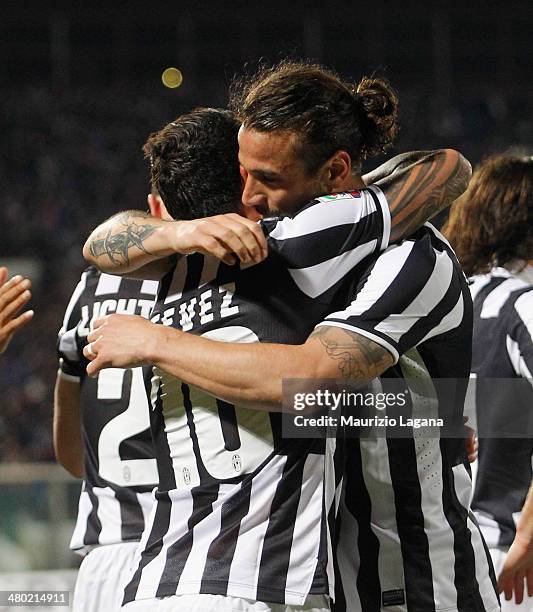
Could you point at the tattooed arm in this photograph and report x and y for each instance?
(135, 243)
(235, 372)
(418, 185)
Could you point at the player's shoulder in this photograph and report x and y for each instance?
(335, 198)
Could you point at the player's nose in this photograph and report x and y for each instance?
(252, 194)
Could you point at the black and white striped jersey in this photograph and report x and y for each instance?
(241, 511)
(503, 348)
(406, 537)
(120, 467)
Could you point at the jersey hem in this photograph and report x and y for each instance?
(215, 587)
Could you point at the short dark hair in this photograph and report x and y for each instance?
(491, 224)
(194, 164)
(327, 113)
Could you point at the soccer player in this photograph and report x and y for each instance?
(248, 536)
(491, 228)
(101, 434)
(101, 428)
(14, 294)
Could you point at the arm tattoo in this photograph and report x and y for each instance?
(424, 192)
(358, 357)
(117, 243)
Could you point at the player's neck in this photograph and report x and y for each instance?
(354, 181)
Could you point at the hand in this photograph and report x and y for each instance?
(227, 237)
(120, 341)
(471, 442)
(14, 294)
(518, 567)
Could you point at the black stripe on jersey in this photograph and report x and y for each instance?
(131, 514)
(316, 247)
(339, 605)
(195, 265)
(483, 293)
(222, 548)
(408, 283)
(320, 583)
(276, 551)
(520, 332)
(488, 557)
(410, 522)
(167, 478)
(466, 585)
(164, 286)
(229, 425)
(358, 503)
(428, 322)
(177, 554)
(94, 526)
(153, 546)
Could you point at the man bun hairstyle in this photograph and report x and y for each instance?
(326, 113)
(380, 114)
(194, 164)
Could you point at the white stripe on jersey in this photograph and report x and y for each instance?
(383, 274)
(489, 527)
(478, 284)
(348, 558)
(452, 320)
(341, 211)
(107, 283)
(80, 288)
(181, 506)
(84, 510)
(317, 279)
(67, 337)
(147, 504)
(524, 308)
(432, 293)
(109, 515)
(519, 364)
(386, 214)
(150, 287)
(378, 482)
(440, 535)
(463, 485)
(497, 298)
(246, 561)
(302, 561)
(202, 537)
(332, 495)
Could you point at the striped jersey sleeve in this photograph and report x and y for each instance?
(329, 237)
(70, 357)
(520, 338)
(408, 294)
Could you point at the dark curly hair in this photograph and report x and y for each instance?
(326, 112)
(492, 222)
(194, 164)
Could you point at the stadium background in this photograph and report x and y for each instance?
(81, 90)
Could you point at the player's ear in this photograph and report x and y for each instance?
(337, 170)
(154, 204)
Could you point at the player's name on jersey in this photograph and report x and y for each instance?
(132, 306)
(210, 305)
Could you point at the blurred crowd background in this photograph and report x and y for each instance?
(81, 90)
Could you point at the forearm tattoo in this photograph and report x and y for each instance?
(409, 210)
(358, 358)
(116, 243)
